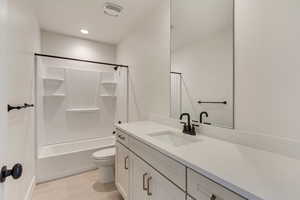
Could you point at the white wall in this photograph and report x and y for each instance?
(62, 45)
(3, 90)
(146, 51)
(267, 67)
(207, 70)
(21, 42)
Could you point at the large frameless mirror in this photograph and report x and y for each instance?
(202, 61)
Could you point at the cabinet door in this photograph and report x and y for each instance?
(161, 188)
(139, 174)
(122, 170)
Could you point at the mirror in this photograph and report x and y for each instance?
(202, 60)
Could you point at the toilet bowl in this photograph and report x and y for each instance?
(105, 162)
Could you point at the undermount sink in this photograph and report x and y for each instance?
(174, 138)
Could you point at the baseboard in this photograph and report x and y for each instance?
(30, 190)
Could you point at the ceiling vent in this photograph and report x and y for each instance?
(112, 9)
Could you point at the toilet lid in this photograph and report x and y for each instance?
(104, 153)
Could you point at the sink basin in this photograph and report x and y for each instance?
(174, 138)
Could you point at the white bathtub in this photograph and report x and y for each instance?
(61, 160)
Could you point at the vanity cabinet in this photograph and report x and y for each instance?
(122, 164)
(144, 173)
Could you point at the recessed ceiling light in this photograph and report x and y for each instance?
(112, 9)
(84, 31)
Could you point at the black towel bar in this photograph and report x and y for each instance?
(26, 105)
(215, 102)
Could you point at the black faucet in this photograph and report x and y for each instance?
(187, 127)
(201, 116)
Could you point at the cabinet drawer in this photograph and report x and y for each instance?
(173, 170)
(122, 137)
(201, 187)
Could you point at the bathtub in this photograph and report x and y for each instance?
(61, 160)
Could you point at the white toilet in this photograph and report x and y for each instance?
(105, 162)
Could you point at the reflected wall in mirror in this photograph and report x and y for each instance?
(202, 66)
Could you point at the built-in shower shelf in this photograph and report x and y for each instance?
(83, 109)
(54, 95)
(109, 83)
(53, 79)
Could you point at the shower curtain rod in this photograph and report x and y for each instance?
(81, 60)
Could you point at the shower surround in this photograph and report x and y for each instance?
(77, 106)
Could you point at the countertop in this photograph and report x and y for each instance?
(252, 173)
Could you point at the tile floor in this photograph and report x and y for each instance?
(79, 187)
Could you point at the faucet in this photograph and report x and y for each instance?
(201, 116)
(187, 127)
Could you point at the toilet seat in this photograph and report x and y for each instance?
(105, 154)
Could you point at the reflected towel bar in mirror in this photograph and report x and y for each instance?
(214, 102)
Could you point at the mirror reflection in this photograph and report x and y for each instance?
(202, 64)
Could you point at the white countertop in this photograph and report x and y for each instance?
(252, 173)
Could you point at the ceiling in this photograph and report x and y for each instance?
(69, 16)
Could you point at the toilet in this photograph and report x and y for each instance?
(105, 162)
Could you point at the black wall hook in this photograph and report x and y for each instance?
(26, 105)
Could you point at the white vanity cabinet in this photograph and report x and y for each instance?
(144, 173)
(136, 178)
(122, 161)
